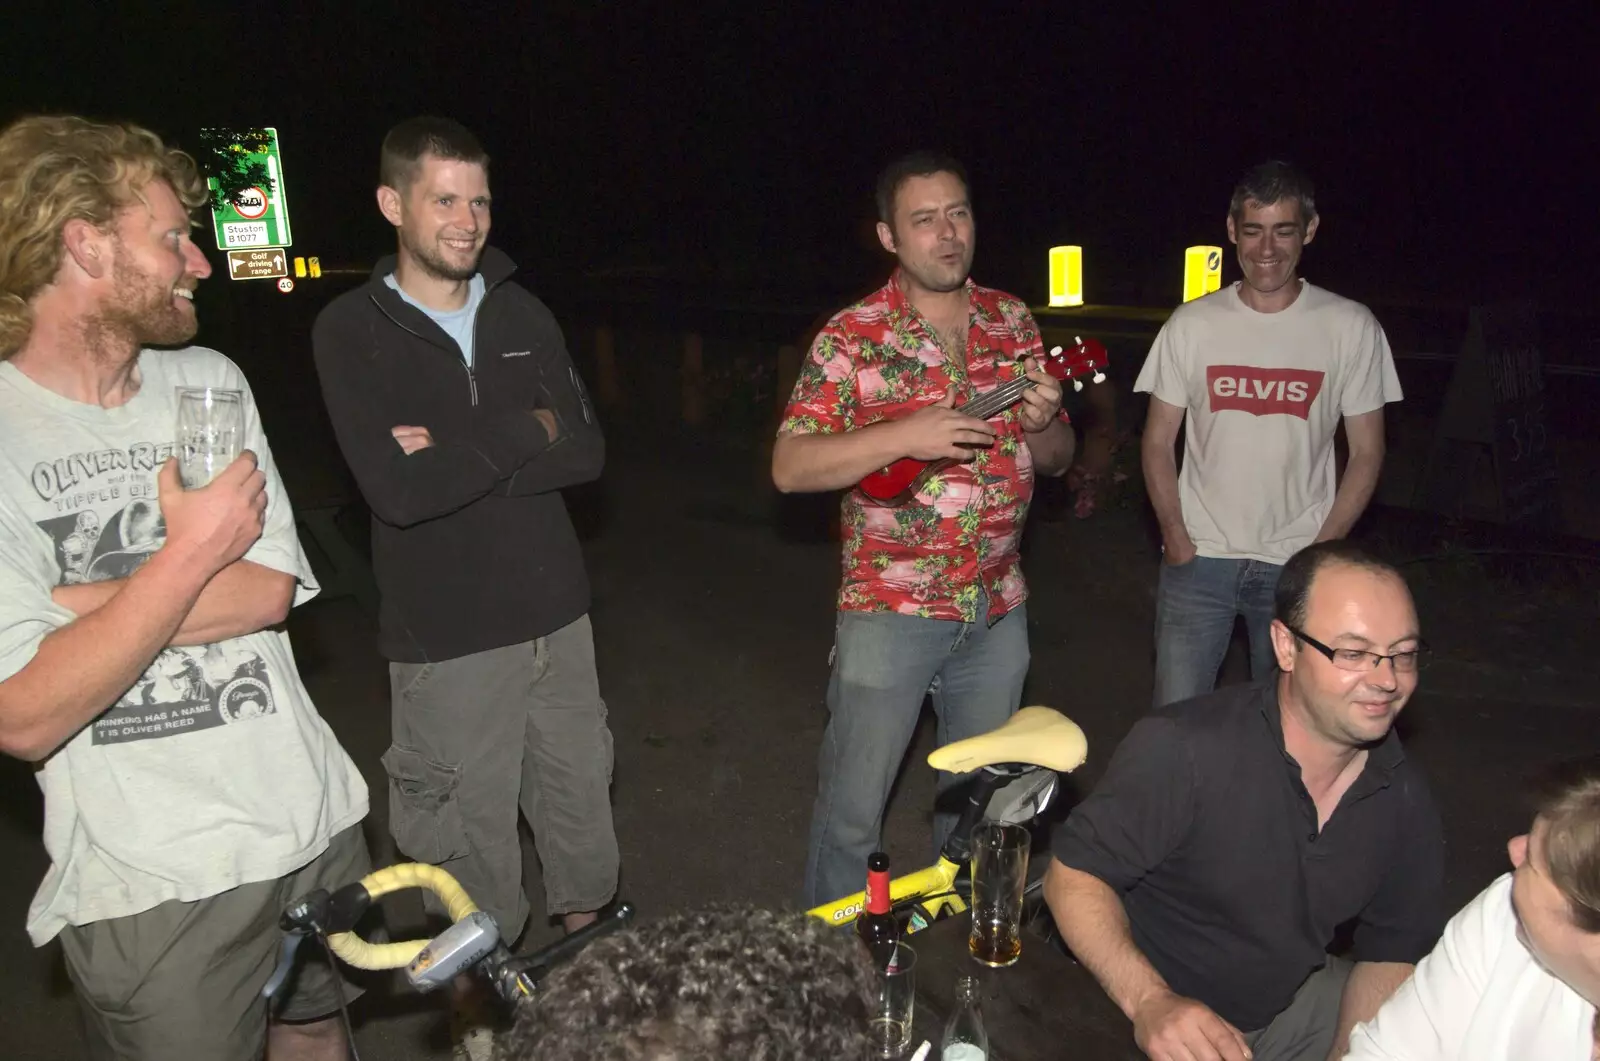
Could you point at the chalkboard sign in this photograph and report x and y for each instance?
(1523, 458)
(1491, 456)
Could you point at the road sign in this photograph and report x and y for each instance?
(286, 285)
(261, 217)
(252, 204)
(257, 265)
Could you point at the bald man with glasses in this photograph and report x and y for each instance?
(1205, 879)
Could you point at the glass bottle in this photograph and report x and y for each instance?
(964, 1036)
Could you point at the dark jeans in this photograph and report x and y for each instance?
(884, 663)
(1196, 604)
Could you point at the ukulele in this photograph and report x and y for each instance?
(901, 481)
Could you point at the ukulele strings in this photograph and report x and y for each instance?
(998, 398)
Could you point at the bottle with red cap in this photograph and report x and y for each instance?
(876, 926)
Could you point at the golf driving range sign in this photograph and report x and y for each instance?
(258, 265)
(260, 218)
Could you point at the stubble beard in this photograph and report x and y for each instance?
(430, 262)
(141, 313)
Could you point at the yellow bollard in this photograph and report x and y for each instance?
(1202, 271)
(315, 265)
(300, 268)
(1066, 276)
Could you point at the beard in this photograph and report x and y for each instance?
(934, 275)
(434, 264)
(142, 307)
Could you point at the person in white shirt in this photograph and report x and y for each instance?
(191, 788)
(1516, 974)
(1265, 371)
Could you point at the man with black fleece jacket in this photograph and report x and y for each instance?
(462, 417)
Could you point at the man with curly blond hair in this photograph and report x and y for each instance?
(176, 831)
(730, 981)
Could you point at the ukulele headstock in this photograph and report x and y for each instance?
(1086, 357)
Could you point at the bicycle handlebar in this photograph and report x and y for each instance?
(353, 950)
(471, 942)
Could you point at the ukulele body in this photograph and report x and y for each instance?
(900, 481)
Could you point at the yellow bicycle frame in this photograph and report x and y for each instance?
(937, 881)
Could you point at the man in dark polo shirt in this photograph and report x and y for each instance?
(1233, 834)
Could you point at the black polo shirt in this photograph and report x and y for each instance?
(1203, 826)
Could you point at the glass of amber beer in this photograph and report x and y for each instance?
(999, 874)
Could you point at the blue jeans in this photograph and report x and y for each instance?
(1195, 606)
(883, 665)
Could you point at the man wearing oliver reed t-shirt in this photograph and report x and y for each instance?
(1265, 370)
(191, 789)
(1234, 835)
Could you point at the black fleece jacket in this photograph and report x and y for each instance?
(471, 542)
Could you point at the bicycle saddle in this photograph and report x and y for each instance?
(1039, 736)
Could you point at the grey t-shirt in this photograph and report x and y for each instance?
(214, 769)
(457, 323)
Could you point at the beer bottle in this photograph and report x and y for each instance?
(876, 926)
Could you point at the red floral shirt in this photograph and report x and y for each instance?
(938, 554)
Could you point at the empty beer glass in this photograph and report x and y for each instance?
(210, 432)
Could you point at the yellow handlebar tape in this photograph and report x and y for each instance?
(355, 951)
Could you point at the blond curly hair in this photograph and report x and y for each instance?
(57, 169)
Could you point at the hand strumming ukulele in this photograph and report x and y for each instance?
(900, 481)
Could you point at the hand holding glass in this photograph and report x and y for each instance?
(210, 432)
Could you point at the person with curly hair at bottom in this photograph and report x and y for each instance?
(725, 981)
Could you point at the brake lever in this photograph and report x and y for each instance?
(315, 913)
(286, 952)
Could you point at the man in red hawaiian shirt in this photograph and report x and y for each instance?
(932, 600)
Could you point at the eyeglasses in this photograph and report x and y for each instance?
(1359, 659)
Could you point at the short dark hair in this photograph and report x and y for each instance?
(407, 143)
(1271, 181)
(1290, 600)
(730, 980)
(916, 164)
(1567, 797)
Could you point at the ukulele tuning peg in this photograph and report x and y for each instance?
(1077, 340)
(1077, 384)
(1055, 351)
(1099, 377)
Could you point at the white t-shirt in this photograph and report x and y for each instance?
(1480, 996)
(214, 769)
(1264, 394)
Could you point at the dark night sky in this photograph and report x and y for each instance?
(739, 146)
